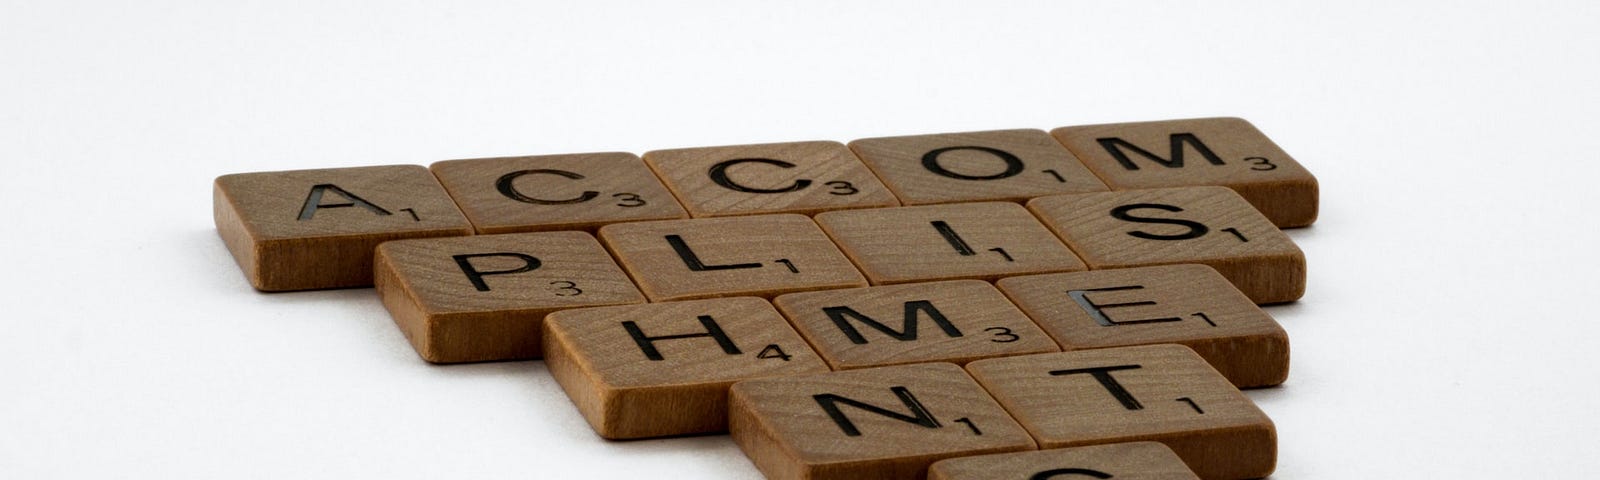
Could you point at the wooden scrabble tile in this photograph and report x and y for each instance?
(943, 242)
(1164, 393)
(1127, 461)
(482, 298)
(954, 321)
(881, 423)
(309, 229)
(556, 192)
(1229, 152)
(659, 369)
(794, 177)
(1206, 225)
(763, 255)
(1191, 305)
(1010, 165)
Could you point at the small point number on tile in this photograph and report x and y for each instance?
(841, 187)
(1193, 405)
(1261, 164)
(566, 288)
(1002, 335)
(628, 199)
(969, 424)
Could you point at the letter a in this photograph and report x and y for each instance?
(314, 201)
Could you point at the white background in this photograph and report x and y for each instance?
(1448, 331)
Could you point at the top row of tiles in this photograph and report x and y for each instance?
(520, 194)
(586, 191)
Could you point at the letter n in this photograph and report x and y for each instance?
(919, 415)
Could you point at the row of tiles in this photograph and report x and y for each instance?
(768, 254)
(340, 211)
(954, 321)
(501, 282)
(893, 422)
(809, 177)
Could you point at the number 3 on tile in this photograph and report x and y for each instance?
(1002, 335)
(566, 289)
(841, 187)
(627, 199)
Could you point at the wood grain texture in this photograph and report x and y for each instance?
(312, 229)
(1164, 393)
(945, 242)
(484, 298)
(1191, 305)
(763, 255)
(1012, 165)
(793, 177)
(1122, 461)
(955, 321)
(1205, 225)
(556, 192)
(1227, 152)
(928, 412)
(669, 374)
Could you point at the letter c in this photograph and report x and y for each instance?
(719, 174)
(507, 188)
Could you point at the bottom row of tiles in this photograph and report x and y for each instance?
(894, 422)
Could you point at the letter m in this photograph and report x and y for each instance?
(1179, 142)
(908, 330)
